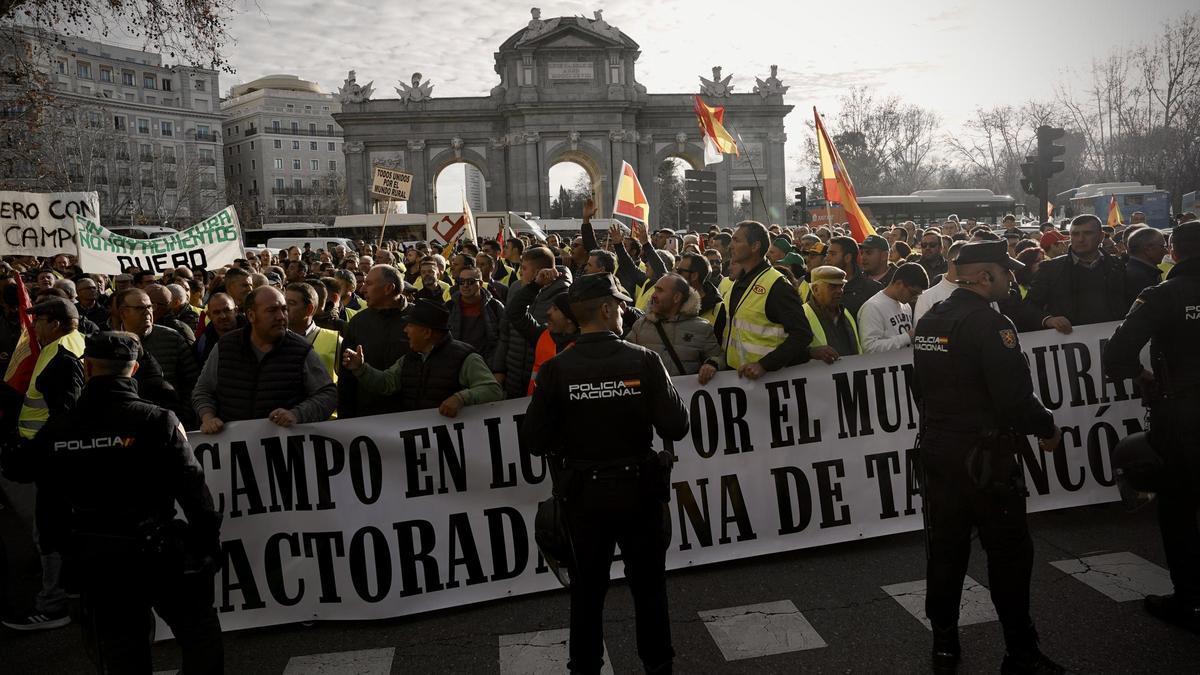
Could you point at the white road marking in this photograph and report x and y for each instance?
(976, 605)
(759, 630)
(1121, 576)
(543, 651)
(360, 662)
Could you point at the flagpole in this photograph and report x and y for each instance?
(753, 172)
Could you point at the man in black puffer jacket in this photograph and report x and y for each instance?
(512, 362)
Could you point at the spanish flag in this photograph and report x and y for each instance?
(717, 141)
(838, 187)
(631, 200)
(25, 353)
(1114, 212)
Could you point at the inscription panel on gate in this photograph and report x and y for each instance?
(571, 70)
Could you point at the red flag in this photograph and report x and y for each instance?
(836, 181)
(25, 354)
(631, 200)
(500, 236)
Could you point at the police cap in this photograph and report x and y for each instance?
(987, 252)
(112, 346)
(598, 285)
(55, 309)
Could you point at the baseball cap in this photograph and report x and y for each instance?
(987, 252)
(112, 345)
(817, 248)
(55, 308)
(1052, 237)
(782, 244)
(828, 274)
(876, 242)
(598, 285)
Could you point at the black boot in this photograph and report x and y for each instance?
(1029, 662)
(1171, 609)
(946, 651)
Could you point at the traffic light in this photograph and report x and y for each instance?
(1029, 173)
(1048, 150)
(802, 203)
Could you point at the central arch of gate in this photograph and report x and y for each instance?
(567, 92)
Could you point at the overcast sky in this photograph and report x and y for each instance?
(949, 56)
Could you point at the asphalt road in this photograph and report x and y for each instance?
(837, 589)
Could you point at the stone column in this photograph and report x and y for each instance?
(776, 183)
(420, 199)
(358, 177)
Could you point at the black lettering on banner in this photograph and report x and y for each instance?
(912, 487)
(733, 510)
(414, 462)
(325, 545)
(1117, 384)
(853, 405)
(1062, 472)
(881, 397)
(273, 564)
(496, 517)
(882, 466)
(795, 511)
(830, 492)
(463, 539)
(503, 474)
(240, 467)
(1034, 463)
(366, 487)
(237, 576)
(330, 458)
(782, 435)
(382, 564)
(415, 541)
(703, 415)
(697, 514)
(1097, 454)
(286, 476)
(209, 458)
(451, 459)
(1079, 363)
(1052, 401)
(733, 412)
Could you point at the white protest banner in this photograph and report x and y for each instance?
(399, 514)
(207, 245)
(43, 224)
(390, 184)
(445, 228)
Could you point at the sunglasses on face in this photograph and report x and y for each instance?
(468, 282)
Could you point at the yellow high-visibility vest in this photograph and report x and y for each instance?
(642, 299)
(818, 331)
(35, 412)
(750, 335)
(326, 343)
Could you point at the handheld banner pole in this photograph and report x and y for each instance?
(383, 225)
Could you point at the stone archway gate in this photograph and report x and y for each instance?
(567, 92)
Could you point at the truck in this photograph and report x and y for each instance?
(1094, 198)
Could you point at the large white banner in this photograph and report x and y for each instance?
(398, 514)
(42, 224)
(207, 245)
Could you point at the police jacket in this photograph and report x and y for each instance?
(603, 399)
(1168, 316)
(969, 373)
(514, 355)
(1063, 287)
(117, 461)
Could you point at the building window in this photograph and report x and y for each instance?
(274, 125)
(62, 67)
(149, 82)
(145, 153)
(130, 97)
(127, 78)
(295, 145)
(152, 100)
(332, 146)
(295, 127)
(166, 86)
(278, 183)
(279, 205)
(251, 145)
(329, 129)
(312, 129)
(297, 184)
(105, 74)
(119, 122)
(143, 126)
(252, 165)
(316, 184)
(308, 108)
(278, 162)
(83, 70)
(93, 120)
(199, 85)
(278, 144)
(166, 128)
(312, 145)
(296, 164)
(314, 164)
(324, 108)
(333, 165)
(168, 154)
(290, 107)
(207, 158)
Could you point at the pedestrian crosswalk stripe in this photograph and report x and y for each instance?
(760, 630)
(543, 651)
(976, 605)
(1121, 576)
(360, 662)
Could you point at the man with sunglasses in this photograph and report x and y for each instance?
(931, 253)
(475, 315)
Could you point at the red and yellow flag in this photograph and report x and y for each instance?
(25, 354)
(838, 187)
(631, 200)
(717, 141)
(1114, 212)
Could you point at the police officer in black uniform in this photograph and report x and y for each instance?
(594, 414)
(977, 406)
(122, 464)
(1168, 316)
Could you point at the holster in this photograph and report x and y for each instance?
(991, 463)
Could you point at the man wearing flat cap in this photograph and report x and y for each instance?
(977, 407)
(120, 464)
(439, 372)
(835, 333)
(53, 391)
(594, 415)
